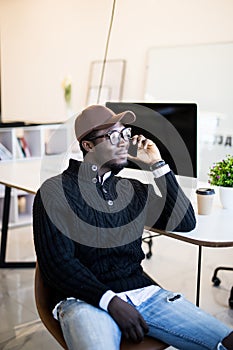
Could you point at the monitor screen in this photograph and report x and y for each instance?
(172, 126)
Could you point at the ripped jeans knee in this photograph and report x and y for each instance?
(178, 322)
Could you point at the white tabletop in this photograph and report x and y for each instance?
(214, 230)
(22, 175)
(28, 174)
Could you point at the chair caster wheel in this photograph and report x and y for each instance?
(216, 281)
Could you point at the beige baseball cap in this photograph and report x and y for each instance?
(97, 117)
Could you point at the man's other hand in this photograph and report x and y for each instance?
(130, 321)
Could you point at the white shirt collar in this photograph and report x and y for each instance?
(103, 178)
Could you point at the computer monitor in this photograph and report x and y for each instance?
(172, 126)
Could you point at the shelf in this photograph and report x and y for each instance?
(28, 142)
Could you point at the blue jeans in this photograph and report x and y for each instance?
(170, 317)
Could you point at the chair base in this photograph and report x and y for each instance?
(216, 281)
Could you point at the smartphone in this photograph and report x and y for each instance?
(133, 149)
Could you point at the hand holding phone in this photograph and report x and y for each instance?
(143, 149)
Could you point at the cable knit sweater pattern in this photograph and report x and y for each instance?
(88, 236)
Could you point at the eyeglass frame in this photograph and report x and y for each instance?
(109, 133)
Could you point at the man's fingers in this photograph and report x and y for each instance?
(137, 331)
(141, 141)
(140, 334)
(144, 326)
(130, 321)
(136, 334)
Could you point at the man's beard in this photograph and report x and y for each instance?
(116, 168)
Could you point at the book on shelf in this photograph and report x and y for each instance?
(24, 146)
(5, 154)
(18, 153)
(21, 149)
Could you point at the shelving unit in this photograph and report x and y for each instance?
(40, 140)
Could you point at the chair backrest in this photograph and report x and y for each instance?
(43, 298)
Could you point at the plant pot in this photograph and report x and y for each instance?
(226, 197)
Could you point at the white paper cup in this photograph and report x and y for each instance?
(205, 197)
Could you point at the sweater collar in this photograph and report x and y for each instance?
(86, 171)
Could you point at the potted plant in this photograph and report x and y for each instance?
(221, 174)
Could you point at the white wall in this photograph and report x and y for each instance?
(42, 41)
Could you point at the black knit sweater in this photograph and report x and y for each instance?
(88, 236)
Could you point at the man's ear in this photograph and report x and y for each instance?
(88, 146)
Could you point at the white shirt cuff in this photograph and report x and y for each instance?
(105, 299)
(161, 171)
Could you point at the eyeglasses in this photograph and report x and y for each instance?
(115, 136)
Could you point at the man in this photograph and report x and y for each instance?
(88, 226)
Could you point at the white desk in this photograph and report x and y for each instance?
(27, 174)
(214, 230)
(23, 175)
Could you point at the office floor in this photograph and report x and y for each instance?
(173, 265)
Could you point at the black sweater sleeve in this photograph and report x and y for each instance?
(174, 211)
(60, 269)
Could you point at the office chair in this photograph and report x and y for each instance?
(147, 238)
(43, 299)
(216, 281)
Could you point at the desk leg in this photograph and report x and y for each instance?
(5, 223)
(198, 275)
